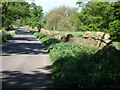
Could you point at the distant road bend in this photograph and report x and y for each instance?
(25, 63)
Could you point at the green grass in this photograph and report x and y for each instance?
(117, 45)
(74, 33)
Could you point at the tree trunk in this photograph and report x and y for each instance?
(54, 27)
(3, 11)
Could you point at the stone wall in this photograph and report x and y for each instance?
(45, 31)
(27, 27)
(35, 28)
(57, 35)
(67, 37)
(97, 40)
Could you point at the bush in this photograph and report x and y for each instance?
(76, 66)
(10, 28)
(6, 35)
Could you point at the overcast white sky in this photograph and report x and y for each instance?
(51, 4)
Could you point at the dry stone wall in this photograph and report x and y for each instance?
(57, 35)
(45, 31)
(67, 37)
(35, 28)
(27, 27)
(97, 40)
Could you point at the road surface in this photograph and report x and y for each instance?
(25, 63)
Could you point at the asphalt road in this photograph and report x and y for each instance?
(25, 63)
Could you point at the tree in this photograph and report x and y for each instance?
(11, 11)
(99, 16)
(36, 19)
(60, 18)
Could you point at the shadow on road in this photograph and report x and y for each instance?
(23, 45)
(23, 48)
(25, 38)
(23, 32)
(17, 79)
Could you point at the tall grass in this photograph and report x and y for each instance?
(74, 33)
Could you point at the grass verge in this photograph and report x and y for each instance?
(76, 66)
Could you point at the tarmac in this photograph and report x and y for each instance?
(25, 63)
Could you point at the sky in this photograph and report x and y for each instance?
(51, 4)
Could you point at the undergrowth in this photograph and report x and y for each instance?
(76, 66)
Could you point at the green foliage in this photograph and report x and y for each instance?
(21, 13)
(23, 22)
(117, 45)
(32, 31)
(46, 40)
(76, 66)
(69, 64)
(36, 19)
(5, 35)
(11, 11)
(10, 28)
(64, 49)
(106, 71)
(61, 19)
(114, 29)
(99, 16)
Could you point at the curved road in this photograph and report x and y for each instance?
(25, 63)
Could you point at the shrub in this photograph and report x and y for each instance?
(10, 28)
(70, 64)
(6, 35)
